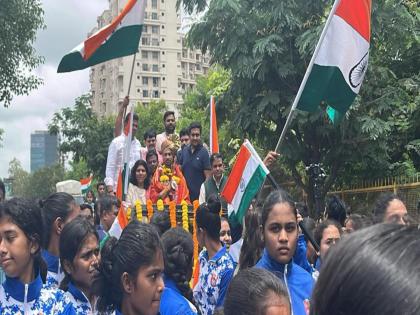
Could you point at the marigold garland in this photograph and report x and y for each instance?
(159, 205)
(139, 211)
(149, 206)
(195, 206)
(172, 213)
(128, 214)
(185, 223)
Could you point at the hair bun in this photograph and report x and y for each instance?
(214, 205)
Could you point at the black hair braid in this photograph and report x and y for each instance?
(178, 263)
(103, 284)
(178, 247)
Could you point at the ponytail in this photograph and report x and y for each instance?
(208, 217)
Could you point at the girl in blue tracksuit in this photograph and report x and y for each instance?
(79, 256)
(216, 265)
(280, 231)
(130, 279)
(24, 291)
(177, 295)
(57, 210)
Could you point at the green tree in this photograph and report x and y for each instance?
(267, 44)
(19, 177)
(38, 184)
(83, 136)
(150, 117)
(19, 22)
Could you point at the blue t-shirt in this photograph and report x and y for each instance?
(193, 165)
(172, 302)
(213, 281)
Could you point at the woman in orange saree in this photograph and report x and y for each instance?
(168, 183)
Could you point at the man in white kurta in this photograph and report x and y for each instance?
(115, 160)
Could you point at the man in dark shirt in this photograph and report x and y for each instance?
(195, 162)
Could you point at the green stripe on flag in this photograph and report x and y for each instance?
(124, 42)
(251, 190)
(326, 84)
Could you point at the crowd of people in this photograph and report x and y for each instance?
(58, 257)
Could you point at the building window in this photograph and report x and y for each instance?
(155, 94)
(178, 56)
(154, 4)
(144, 54)
(138, 64)
(163, 65)
(155, 82)
(163, 91)
(163, 39)
(163, 27)
(155, 42)
(138, 90)
(145, 80)
(155, 29)
(144, 29)
(145, 67)
(145, 93)
(145, 41)
(163, 52)
(155, 55)
(154, 16)
(163, 79)
(155, 68)
(163, 13)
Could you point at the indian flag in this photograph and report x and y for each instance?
(85, 184)
(214, 141)
(244, 182)
(118, 39)
(341, 62)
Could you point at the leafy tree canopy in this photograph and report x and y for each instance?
(266, 46)
(19, 22)
(83, 136)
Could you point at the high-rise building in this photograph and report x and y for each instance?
(163, 68)
(44, 149)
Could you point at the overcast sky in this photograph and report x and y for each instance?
(68, 22)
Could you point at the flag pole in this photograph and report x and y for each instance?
(305, 78)
(129, 89)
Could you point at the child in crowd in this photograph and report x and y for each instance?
(79, 257)
(24, 290)
(57, 210)
(177, 295)
(130, 277)
(373, 271)
(256, 291)
(216, 265)
(280, 233)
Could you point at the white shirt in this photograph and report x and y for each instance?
(115, 160)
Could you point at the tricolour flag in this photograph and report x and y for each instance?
(214, 139)
(85, 184)
(244, 182)
(118, 39)
(341, 62)
(121, 220)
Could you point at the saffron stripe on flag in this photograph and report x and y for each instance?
(357, 15)
(234, 179)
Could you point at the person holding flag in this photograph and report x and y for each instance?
(115, 159)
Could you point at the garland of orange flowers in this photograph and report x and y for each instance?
(195, 206)
(149, 207)
(185, 223)
(172, 213)
(159, 205)
(139, 211)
